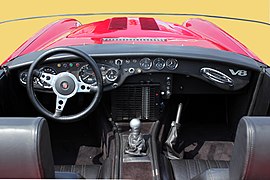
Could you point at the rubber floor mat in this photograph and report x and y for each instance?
(210, 150)
(88, 155)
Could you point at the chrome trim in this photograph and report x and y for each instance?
(113, 79)
(216, 76)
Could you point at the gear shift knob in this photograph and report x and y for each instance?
(135, 124)
(136, 142)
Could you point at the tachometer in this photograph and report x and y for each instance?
(87, 75)
(49, 70)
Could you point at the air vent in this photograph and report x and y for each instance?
(118, 23)
(148, 24)
(136, 39)
(216, 76)
(135, 101)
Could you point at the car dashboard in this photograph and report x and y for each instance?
(146, 70)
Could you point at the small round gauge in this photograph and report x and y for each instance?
(49, 70)
(111, 74)
(146, 63)
(159, 63)
(171, 64)
(23, 77)
(87, 75)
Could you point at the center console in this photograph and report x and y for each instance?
(138, 152)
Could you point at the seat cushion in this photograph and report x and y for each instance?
(214, 174)
(188, 168)
(86, 171)
(25, 148)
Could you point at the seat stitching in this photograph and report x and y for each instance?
(99, 172)
(199, 166)
(188, 169)
(211, 175)
(227, 163)
(72, 168)
(208, 164)
(217, 165)
(79, 167)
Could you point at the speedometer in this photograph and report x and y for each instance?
(45, 70)
(87, 75)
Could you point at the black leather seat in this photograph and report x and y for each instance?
(25, 151)
(250, 158)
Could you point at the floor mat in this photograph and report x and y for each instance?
(74, 153)
(88, 155)
(210, 150)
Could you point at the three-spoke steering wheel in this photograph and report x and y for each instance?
(65, 85)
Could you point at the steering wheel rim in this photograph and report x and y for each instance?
(67, 50)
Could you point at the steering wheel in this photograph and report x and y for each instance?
(65, 85)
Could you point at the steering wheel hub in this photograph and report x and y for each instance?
(65, 84)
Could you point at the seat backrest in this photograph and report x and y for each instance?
(25, 148)
(251, 153)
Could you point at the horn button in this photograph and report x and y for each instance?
(65, 85)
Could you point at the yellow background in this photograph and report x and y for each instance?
(255, 36)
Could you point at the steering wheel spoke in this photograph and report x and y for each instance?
(48, 78)
(87, 88)
(60, 104)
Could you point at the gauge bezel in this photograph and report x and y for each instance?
(80, 78)
(174, 66)
(24, 72)
(163, 63)
(143, 61)
(114, 79)
(38, 80)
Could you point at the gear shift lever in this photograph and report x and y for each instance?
(135, 125)
(136, 142)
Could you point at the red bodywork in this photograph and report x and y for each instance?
(121, 30)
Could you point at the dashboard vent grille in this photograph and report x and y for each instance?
(135, 101)
(136, 39)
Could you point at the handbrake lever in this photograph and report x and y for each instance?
(172, 136)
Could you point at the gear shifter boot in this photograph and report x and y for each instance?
(136, 142)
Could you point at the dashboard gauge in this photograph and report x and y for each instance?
(159, 63)
(112, 74)
(171, 64)
(45, 70)
(146, 63)
(23, 77)
(87, 75)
